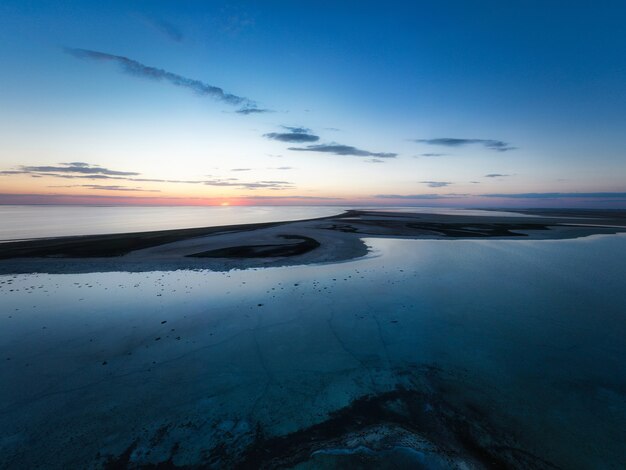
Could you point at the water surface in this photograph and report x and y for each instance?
(24, 222)
(531, 333)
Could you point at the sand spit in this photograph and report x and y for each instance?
(328, 239)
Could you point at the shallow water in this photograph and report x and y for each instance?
(24, 222)
(530, 333)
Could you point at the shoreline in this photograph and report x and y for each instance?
(320, 240)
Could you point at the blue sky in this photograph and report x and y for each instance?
(361, 101)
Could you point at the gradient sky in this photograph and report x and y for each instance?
(483, 103)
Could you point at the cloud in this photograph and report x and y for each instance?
(107, 188)
(418, 196)
(491, 144)
(437, 184)
(280, 168)
(132, 67)
(559, 195)
(433, 154)
(253, 110)
(297, 129)
(275, 185)
(375, 160)
(76, 167)
(295, 135)
(81, 170)
(495, 175)
(338, 149)
(240, 169)
(313, 198)
(165, 28)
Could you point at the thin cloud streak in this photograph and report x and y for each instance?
(132, 67)
(76, 167)
(295, 135)
(418, 196)
(606, 195)
(77, 170)
(437, 184)
(491, 144)
(312, 198)
(253, 110)
(165, 28)
(338, 149)
(107, 188)
(292, 137)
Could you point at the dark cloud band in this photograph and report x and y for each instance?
(490, 144)
(338, 149)
(138, 69)
(436, 184)
(559, 195)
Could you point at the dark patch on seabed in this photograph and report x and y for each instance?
(408, 427)
(305, 245)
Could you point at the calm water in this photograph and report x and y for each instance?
(530, 332)
(23, 222)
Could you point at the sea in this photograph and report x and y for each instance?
(21, 222)
(519, 343)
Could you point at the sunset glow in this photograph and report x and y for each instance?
(102, 106)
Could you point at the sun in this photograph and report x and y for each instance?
(225, 204)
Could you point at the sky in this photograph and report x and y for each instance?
(453, 103)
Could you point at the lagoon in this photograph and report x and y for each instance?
(508, 343)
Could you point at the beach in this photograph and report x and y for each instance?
(330, 239)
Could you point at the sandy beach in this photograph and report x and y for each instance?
(321, 240)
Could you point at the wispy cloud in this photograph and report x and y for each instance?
(295, 135)
(432, 154)
(312, 198)
(240, 169)
(166, 28)
(132, 67)
(418, 196)
(491, 144)
(274, 185)
(436, 184)
(86, 171)
(253, 110)
(282, 168)
(495, 175)
(73, 168)
(338, 149)
(107, 188)
(605, 195)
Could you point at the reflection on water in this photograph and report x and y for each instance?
(531, 333)
(23, 222)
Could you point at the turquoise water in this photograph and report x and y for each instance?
(531, 333)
